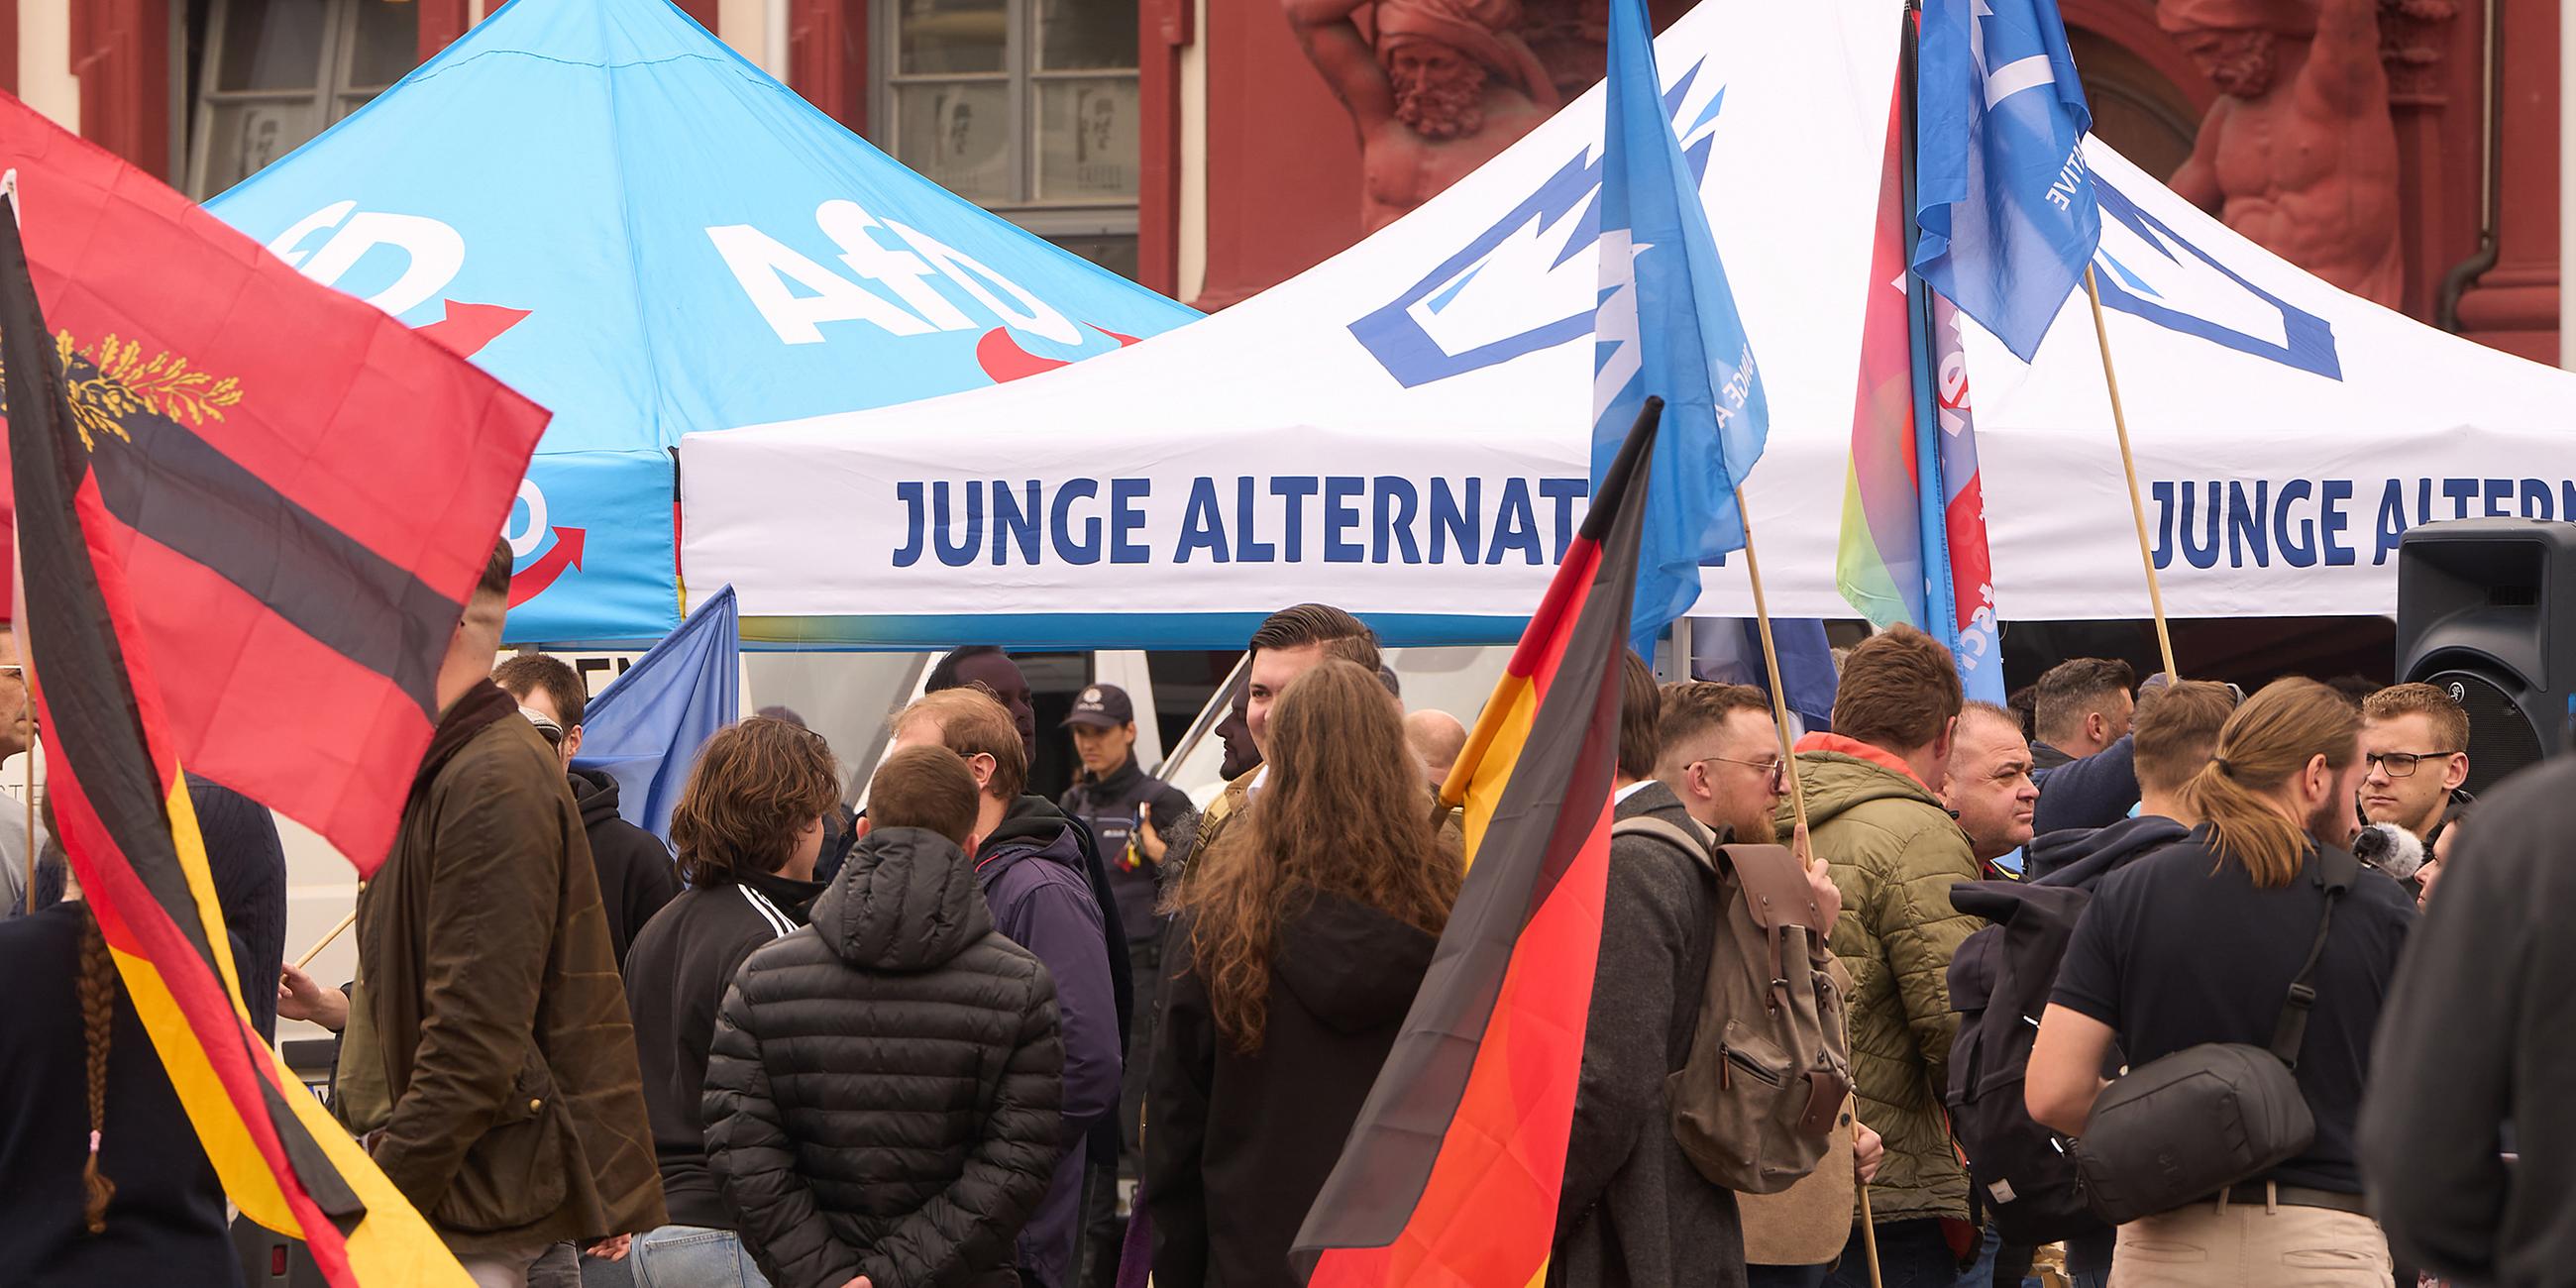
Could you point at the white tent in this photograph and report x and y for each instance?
(1405, 429)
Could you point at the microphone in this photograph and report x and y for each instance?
(2389, 848)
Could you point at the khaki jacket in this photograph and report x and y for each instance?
(516, 1114)
(1895, 853)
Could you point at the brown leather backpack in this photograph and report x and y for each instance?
(1755, 1105)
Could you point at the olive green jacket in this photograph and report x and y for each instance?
(1895, 853)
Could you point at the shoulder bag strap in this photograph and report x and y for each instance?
(2338, 869)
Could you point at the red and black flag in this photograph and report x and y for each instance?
(305, 488)
(248, 511)
(1452, 1173)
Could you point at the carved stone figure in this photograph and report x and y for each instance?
(1446, 85)
(2300, 155)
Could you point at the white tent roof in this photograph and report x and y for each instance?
(1431, 387)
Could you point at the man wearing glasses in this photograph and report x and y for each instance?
(1722, 757)
(2415, 747)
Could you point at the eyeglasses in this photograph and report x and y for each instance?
(2401, 764)
(13, 673)
(1775, 770)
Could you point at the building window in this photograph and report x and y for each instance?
(1025, 107)
(278, 72)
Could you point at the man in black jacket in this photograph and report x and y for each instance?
(2481, 1033)
(1634, 1211)
(750, 827)
(929, 1126)
(635, 873)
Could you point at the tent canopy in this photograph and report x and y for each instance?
(1404, 430)
(610, 209)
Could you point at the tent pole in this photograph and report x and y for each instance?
(2129, 467)
(1779, 692)
(32, 846)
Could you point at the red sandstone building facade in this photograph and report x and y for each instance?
(1212, 148)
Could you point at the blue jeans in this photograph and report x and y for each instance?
(1911, 1254)
(692, 1256)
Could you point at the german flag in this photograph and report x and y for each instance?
(1452, 1172)
(148, 489)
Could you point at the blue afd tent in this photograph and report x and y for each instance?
(608, 208)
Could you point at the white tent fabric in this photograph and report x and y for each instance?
(1404, 429)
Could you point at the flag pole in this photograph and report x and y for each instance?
(325, 941)
(2129, 467)
(1779, 691)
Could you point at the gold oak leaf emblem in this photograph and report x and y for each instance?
(112, 380)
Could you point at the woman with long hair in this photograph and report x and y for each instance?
(749, 827)
(1297, 949)
(2200, 942)
(105, 1182)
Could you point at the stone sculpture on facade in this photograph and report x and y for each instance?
(2300, 154)
(1443, 86)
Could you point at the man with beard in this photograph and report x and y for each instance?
(1721, 758)
(2200, 942)
(1449, 84)
(2301, 154)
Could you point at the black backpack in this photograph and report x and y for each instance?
(2019, 1172)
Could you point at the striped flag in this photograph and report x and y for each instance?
(304, 487)
(177, 451)
(1913, 545)
(1452, 1173)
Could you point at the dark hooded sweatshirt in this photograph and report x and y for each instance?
(882, 1097)
(676, 977)
(636, 876)
(1030, 869)
(2080, 856)
(1237, 1143)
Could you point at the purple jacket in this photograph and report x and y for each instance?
(1031, 870)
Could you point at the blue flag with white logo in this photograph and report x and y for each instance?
(2002, 192)
(1667, 327)
(646, 727)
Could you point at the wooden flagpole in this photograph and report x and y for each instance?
(1779, 692)
(325, 941)
(2129, 467)
(1797, 796)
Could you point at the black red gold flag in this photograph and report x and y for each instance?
(1451, 1176)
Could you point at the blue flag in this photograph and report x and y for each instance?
(2002, 193)
(1667, 327)
(1729, 651)
(646, 727)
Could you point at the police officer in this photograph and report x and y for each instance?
(1132, 815)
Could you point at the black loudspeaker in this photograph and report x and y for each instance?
(2486, 609)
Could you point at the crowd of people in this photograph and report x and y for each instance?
(921, 1045)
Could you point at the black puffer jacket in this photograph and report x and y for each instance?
(882, 1098)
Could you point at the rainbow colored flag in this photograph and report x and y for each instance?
(1913, 545)
(1452, 1173)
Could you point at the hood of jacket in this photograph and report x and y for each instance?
(2080, 856)
(1034, 831)
(1354, 967)
(905, 901)
(596, 793)
(1838, 783)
